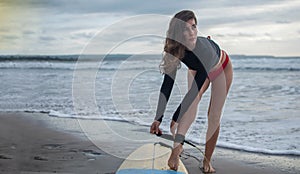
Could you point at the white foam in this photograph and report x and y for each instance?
(258, 150)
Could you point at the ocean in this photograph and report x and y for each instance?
(261, 114)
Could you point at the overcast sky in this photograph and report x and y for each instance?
(250, 27)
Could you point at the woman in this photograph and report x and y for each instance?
(207, 64)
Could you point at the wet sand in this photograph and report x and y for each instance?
(37, 143)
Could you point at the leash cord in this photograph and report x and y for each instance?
(171, 138)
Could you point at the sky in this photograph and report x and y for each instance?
(248, 27)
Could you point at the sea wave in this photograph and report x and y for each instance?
(258, 150)
(266, 69)
(194, 140)
(113, 68)
(69, 66)
(133, 62)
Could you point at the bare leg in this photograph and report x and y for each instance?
(186, 122)
(219, 90)
(189, 117)
(173, 161)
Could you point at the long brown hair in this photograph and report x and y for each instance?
(173, 48)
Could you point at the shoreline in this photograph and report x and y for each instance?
(35, 142)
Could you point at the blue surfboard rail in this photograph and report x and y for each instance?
(147, 171)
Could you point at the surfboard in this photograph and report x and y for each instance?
(150, 159)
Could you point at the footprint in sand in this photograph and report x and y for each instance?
(4, 157)
(52, 146)
(40, 158)
(91, 153)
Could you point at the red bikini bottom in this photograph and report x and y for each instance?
(214, 74)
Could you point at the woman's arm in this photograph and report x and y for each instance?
(188, 99)
(165, 92)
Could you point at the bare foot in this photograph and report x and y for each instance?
(207, 167)
(173, 161)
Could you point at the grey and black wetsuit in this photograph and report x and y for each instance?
(202, 59)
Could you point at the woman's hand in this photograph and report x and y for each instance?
(154, 129)
(173, 127)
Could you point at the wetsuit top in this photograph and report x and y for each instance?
(203, 58)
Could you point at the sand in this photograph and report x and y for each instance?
(37, 143)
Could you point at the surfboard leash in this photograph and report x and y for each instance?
(171, 138)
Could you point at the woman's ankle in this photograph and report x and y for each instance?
(207, 166)
(178, 147)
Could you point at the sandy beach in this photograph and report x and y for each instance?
(37, 143)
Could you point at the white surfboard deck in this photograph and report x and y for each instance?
(150, 158)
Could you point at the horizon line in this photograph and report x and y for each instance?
(128, 54)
